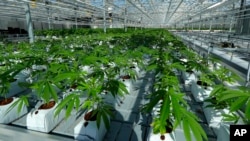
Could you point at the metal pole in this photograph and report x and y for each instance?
(248, 72)
(210, 27)
(200, 23)
(125, 16)
(104, 17)
(48, 10)
(29, 22)
(75, 16)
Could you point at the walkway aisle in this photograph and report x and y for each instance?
(129, 124)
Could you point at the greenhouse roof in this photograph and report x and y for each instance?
(148, 13)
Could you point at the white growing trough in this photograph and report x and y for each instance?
(88, 131)
(199, 92)
(214, 116)
(8, 117)
(188, 78)
(43, 120)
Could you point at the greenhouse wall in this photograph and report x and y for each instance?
(243, 24)
(13, 23)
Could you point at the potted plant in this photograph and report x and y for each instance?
(45, 88)
(173, 110)
(97, 116)
(12, 108)
(237, 101)
(9, 86)
(212, 107)
(96, 86)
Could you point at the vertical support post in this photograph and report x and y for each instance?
(125, 16)
(248, 72)
(231, 25)
(210, 26)
(104, 16)
(48, 11)
(75, 17)
(49, 23)
(141, 23)
(29, 22)
(200, 23)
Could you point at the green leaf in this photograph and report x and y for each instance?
(229, 94)
(52, 91)
(247, 110)
(197, 130)
(87, 104)
(123, 88)
(63, 104)
(98, 119)
(231, 117)
(216, 89)
(152, 67)
(106, 121)
(20, 103)
(70, 107)
(176, 108)
(186, 130)
(237, 104)
(77, 102)
(156, 96)
(164, 113)
(63, 76)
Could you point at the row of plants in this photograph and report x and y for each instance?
(85, 67)
(58, 63)
(90, 67)
(170, 110)
(221, 92)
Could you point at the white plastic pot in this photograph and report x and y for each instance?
(110, 99)
(129, 84)
(188, 78)
(43, 120)
(90, 132)
(176, 135)
(200, 93)
(13, 114)
(157, 137)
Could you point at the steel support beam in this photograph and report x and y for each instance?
(29, 22)
(104, 16)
